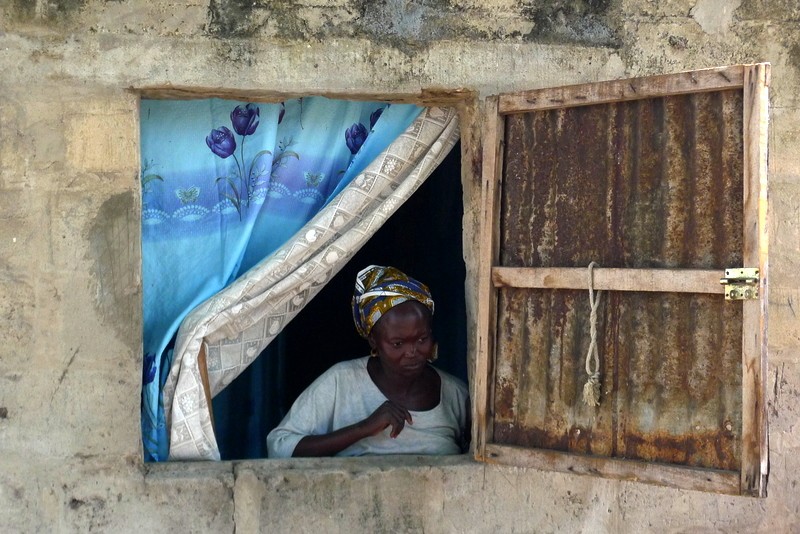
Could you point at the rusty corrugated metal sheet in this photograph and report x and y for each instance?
(649, 183)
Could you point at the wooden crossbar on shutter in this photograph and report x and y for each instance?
(662, 181)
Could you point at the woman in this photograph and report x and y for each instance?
(393, 402)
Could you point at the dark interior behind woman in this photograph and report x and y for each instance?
(394, 402)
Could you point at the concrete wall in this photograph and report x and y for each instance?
(70, 362)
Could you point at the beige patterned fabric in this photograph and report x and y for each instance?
(239, 322)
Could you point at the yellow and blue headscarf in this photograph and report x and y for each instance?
(379, 289)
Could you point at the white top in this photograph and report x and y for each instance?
(345, 394)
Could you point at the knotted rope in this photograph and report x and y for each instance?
(591, 390)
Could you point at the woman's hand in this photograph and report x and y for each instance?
(387, 414)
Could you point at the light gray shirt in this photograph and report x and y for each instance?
(345, 394)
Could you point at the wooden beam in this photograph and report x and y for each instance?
(491, 173)
(430, 96)
(690, 478)
(611, 279)
(754, 313)
(715, 79)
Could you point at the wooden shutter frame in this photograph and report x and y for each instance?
(754, 81)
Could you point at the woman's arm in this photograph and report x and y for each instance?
(312, 418)
(387, 414)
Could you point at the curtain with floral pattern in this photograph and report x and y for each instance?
(224, 185)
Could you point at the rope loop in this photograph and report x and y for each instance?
(591, 390)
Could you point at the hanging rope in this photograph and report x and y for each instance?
(591, 390)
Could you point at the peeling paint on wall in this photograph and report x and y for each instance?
(236, 18)
(793, 58)
(410, 25)
(584, 22)
(714, 17)
(44, 9)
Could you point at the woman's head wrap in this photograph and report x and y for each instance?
(379, 289)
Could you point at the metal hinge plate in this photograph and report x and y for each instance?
(741, 283)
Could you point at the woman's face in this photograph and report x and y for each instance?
(403, 338)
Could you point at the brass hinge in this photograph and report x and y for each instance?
(741, 283)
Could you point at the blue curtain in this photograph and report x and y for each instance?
(225, 183)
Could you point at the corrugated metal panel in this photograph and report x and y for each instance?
(649, 183)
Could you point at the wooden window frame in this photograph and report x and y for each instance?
(754, 81)
(463, 100)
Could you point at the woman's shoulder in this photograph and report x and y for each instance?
(346, 368)
(349, 365)
(340, 375)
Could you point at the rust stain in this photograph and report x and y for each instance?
(512, 435)
(718, 449)
(648, 183)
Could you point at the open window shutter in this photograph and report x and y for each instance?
(662, 182)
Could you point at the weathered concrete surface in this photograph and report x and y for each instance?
(70, 363)
(457, 495)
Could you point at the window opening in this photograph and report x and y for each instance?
(228, 330)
